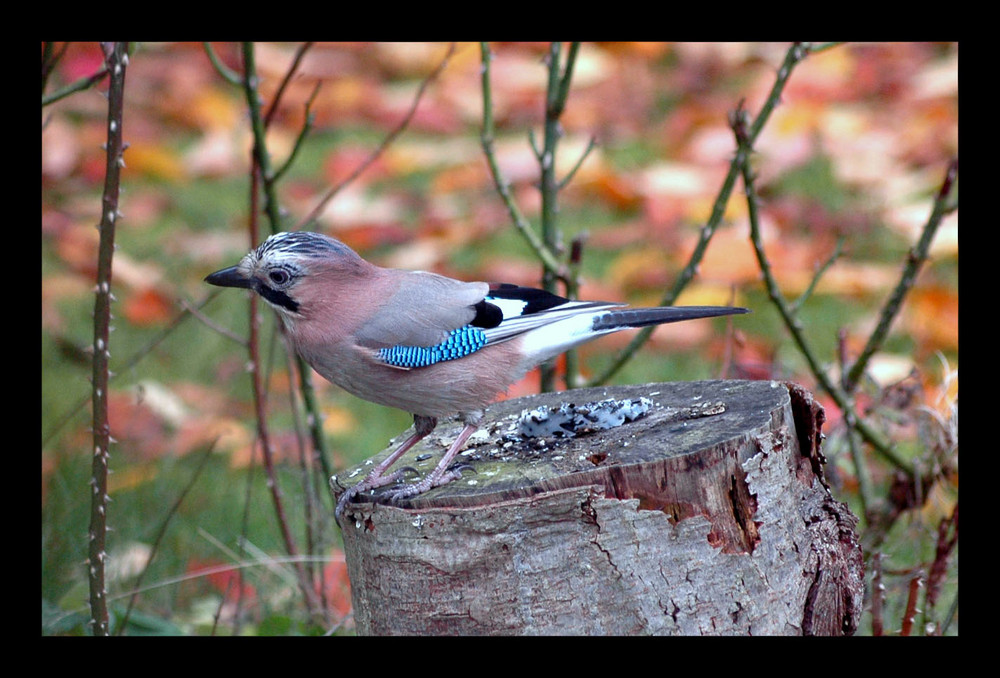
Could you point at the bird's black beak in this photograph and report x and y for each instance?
(229, 277)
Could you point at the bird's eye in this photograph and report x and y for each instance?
(278, 277)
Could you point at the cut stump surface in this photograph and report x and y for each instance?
(708, 515)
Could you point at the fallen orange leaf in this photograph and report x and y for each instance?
(932, 316)
(147, 307)
(154, 160)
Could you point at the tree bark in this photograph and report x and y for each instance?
(708, 515)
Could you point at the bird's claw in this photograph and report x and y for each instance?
(453, 472)
(395, 495)
(366, 485)
(458, 467)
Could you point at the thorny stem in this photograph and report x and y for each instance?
(947, 540)
(878, 595)
(116, 60)
(916, 583)
(132, 361)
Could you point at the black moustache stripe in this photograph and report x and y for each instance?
(278, 298)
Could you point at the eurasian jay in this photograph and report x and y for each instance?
(430, 345)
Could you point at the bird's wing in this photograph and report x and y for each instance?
(525, 309)
(430, 319)
(421, 309)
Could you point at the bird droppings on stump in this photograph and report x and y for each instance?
(569, 420)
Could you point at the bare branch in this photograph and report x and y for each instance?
(403, 124)
(116, 62)
(916, 259)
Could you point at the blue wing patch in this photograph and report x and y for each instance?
(460, 343)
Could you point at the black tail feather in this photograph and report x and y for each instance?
(643, 317)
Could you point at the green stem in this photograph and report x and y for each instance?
(915, 260)
(793, 56)
(555, 103)
(261, 157)
(844, 401)
(488, 135)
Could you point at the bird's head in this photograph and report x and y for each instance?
(285, 266)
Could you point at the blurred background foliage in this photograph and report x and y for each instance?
(854, 153)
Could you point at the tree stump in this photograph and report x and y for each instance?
(707, 515)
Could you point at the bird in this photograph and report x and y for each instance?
(418, 341)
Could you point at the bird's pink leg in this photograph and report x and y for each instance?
(422, 427)
(440, 475)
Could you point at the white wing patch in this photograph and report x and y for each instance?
(511, 308)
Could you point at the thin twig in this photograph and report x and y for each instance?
(300, 54)
(820, 270)
(861, 474)
(916, 258)
(865, 492)
(227, 74)
(793, 56)
(738, 122)
(49, 60)
(130, 362)
(260, 173)
(76, 86)
(591, 145)
(556, 95)
(161, 532)
(268, 562)
(487, 136)
(307, 125)
(403, 124)
(208, 322)
(239, 566)
(311, 503)
(314, 420)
